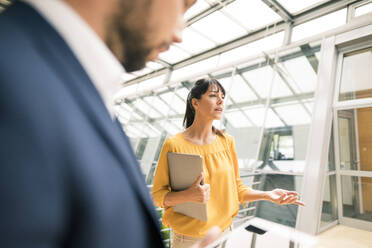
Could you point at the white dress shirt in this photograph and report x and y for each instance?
(98, 61)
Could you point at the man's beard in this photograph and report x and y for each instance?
(127, 44)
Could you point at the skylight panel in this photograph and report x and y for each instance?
(237, 119)
(146, 109)
(144, 71)
(251, 14)
(260, 80)
(127, 76)
(294, 6)
(170, 127)
(158, 104)
(319, 25)
(174, 55)
(176, 103)
(364, 9)
(154, 65)
(252, 48)
(132, 131)
(300, 75)
(293, 114)
(190, 70)
(151, 83)
(126, 91)
(240, 91)
(280, 88)
(182, 92)
(218, 28)
(194, 42)
(272, 120)
(256, 115)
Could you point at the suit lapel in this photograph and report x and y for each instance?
(55, 50)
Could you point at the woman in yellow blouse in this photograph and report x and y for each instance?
(223, 188)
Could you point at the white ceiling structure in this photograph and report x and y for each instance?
(226, 38)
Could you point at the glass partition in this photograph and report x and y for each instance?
(355, 78)
(355, 137)
(356, 197)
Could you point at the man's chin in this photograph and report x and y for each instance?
(131, 67)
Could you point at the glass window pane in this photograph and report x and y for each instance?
(186, 72)
(151, 83)
(174, 55)
(237, 119)
(154, 65)
(272, 120)
(146, 109)
(364, 9)
(294, 6)
(143, 71)
(126, 91)
(127, 76)
(355, 77)
(299, 74)
(319, 25)
(171, 128)
(218, 28)
(288, 117)
(174, 101)
(256, 115)
(356, 197)
(182, 92)
(252, 14)
(280, 88)
(355, 135)
(260, 80)
(282, 214)
(159, 105)
(293, 114)
(240, 92)
(329, 204)
(194, 42)
(252, 48)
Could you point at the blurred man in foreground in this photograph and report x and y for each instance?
(68, 175)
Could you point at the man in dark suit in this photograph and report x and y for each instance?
(68, 175)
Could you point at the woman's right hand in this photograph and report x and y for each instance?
(199, 193)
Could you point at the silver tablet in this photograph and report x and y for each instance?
(184, 169)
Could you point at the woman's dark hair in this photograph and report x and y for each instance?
(200, 87)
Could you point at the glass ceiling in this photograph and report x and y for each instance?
(212, 24)
(237, 42)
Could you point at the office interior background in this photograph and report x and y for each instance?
(299, 102)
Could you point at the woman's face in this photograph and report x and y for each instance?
(211, 103)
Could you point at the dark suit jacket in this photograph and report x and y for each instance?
(68, 175)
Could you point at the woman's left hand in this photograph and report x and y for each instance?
(284, 197)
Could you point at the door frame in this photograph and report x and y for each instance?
(354, 40)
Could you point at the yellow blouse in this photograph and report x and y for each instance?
(221, 171)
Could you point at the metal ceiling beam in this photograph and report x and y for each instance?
(279, 9)
(310, 56)
(215, 7)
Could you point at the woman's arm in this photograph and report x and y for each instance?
(278, 196)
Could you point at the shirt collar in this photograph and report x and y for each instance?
(102, 67)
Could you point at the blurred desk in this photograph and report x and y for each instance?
(276, 235)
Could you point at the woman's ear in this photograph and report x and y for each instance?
(195, 103)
